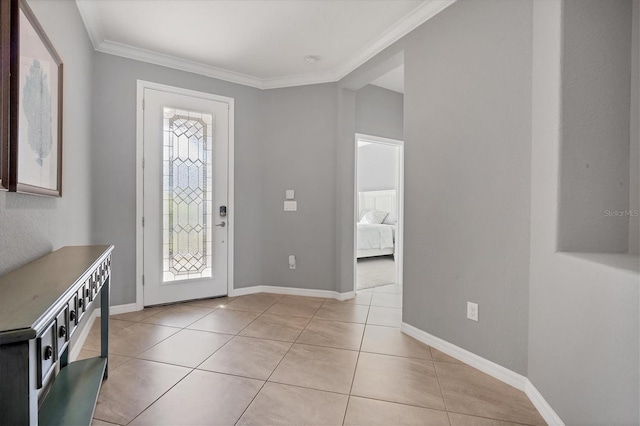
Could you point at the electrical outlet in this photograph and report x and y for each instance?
(472, 311)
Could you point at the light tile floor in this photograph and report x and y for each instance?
(267, 359)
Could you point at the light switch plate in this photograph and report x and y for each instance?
(290, 206)
(289, 194)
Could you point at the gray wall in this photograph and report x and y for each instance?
(113, 166)
(379, 112)
(377, 167)
(467, 162)
(467, 177)
(594, 166)
(284, 139)
(584, 325)
(32, 226)
(634, 141)
(466, 186)
(299, 139)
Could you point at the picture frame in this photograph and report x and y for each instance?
(35, 142)
(5, 100)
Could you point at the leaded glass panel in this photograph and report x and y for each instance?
(187, 194)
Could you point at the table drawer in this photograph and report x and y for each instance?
(82, 303)
(73, 314)
(62, 333)
(46, 353)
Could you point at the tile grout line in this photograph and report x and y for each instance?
(192, 369)
(435, 370)
(344, 418)
(274, 370)
(181, 366)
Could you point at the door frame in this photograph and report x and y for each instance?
(400, 201)
(141, 85)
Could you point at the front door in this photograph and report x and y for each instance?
(186, 144)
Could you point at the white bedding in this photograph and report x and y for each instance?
(375, 236)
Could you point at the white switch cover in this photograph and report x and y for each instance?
(290, 206)
(289, 194)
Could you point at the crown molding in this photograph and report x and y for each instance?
(300, 80)
(91, 19)
(411, 21)
(162, 59)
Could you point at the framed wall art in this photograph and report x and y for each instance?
(5, 103)
(35, 165)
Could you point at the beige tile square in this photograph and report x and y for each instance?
(135, 339)
(387, 300)
(137, 316)
(361, 298)
(248, 357)
(92, 342)
(278, 404)
(134, 386)
(334, 334)
(391, 341)
(258, 302)
(365, 412)
(187, 348)
(202, 398)
(442, 357)
(317, 368)
(225, 321)
(115, 361)
(276, 327)
(340, 311)
(215, 303)
(178, 315)
(404, 380)
(390, 317)
(470, 391)
(296, 306)
(464, 420)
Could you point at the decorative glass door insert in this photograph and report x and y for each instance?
(187, 194)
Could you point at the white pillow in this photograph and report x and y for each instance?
(390, 220)
(373, 217)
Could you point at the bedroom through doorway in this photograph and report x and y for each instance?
(379, 168)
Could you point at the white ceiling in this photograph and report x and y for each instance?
(393, 80)
(260, 43)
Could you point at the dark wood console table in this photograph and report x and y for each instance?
(41, 305)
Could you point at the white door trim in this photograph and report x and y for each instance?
(141, 85)
(400, 195)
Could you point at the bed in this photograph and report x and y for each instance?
(374, 238)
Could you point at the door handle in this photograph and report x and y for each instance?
(222, 224)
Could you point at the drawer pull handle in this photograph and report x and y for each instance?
(63, 331)
(72, 316)
(81, 302)
(87, 292)
(48, 353)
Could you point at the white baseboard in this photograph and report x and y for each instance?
(121, 309)
(82, 337)
(292, 291)
(497, 371)
(546, 411)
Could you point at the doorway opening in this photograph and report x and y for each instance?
(379, 206)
